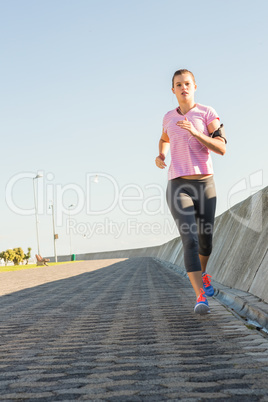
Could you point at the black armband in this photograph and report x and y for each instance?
(220, 132)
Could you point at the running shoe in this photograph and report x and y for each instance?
(208, 288)
(201, 306)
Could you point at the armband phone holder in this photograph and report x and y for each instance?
(220, 132)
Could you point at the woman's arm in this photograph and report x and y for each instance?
(163, 150)
(216, 144)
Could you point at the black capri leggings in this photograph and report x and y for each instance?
(192, 204)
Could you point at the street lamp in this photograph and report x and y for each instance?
(96, 179)
(38, 176)
(69, 207)
(55, 236)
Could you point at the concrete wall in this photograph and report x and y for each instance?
(239, 258)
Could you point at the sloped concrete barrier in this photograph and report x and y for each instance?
(239, 258)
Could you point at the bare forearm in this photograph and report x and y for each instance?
(214, 144)
(163, 147)
(163, 150)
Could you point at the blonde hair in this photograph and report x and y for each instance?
(180, 72)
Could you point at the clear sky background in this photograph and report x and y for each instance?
(84, 88)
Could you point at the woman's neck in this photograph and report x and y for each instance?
(185, 107)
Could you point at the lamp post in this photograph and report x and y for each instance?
(55, 236)
(38, 176)
(69, 207)
(96, 179)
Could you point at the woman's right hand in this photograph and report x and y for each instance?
(160, 161)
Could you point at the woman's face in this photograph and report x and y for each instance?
(184, 87)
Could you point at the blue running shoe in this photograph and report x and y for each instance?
(201, 306)
(208, 288)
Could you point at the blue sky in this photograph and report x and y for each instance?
(85, 86)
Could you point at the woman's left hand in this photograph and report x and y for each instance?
(187, 125)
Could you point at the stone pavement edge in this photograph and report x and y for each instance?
(123, 330)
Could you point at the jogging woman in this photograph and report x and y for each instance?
(192, 131)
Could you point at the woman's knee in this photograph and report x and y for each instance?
(205, 249)
(190, 243)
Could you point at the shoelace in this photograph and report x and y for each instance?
(201, 297)
(206, 280)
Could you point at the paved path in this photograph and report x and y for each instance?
(125, 332)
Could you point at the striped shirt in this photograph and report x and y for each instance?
(188, 155)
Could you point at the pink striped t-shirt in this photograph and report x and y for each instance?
(188, 155)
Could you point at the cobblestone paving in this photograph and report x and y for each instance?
(126, 332)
